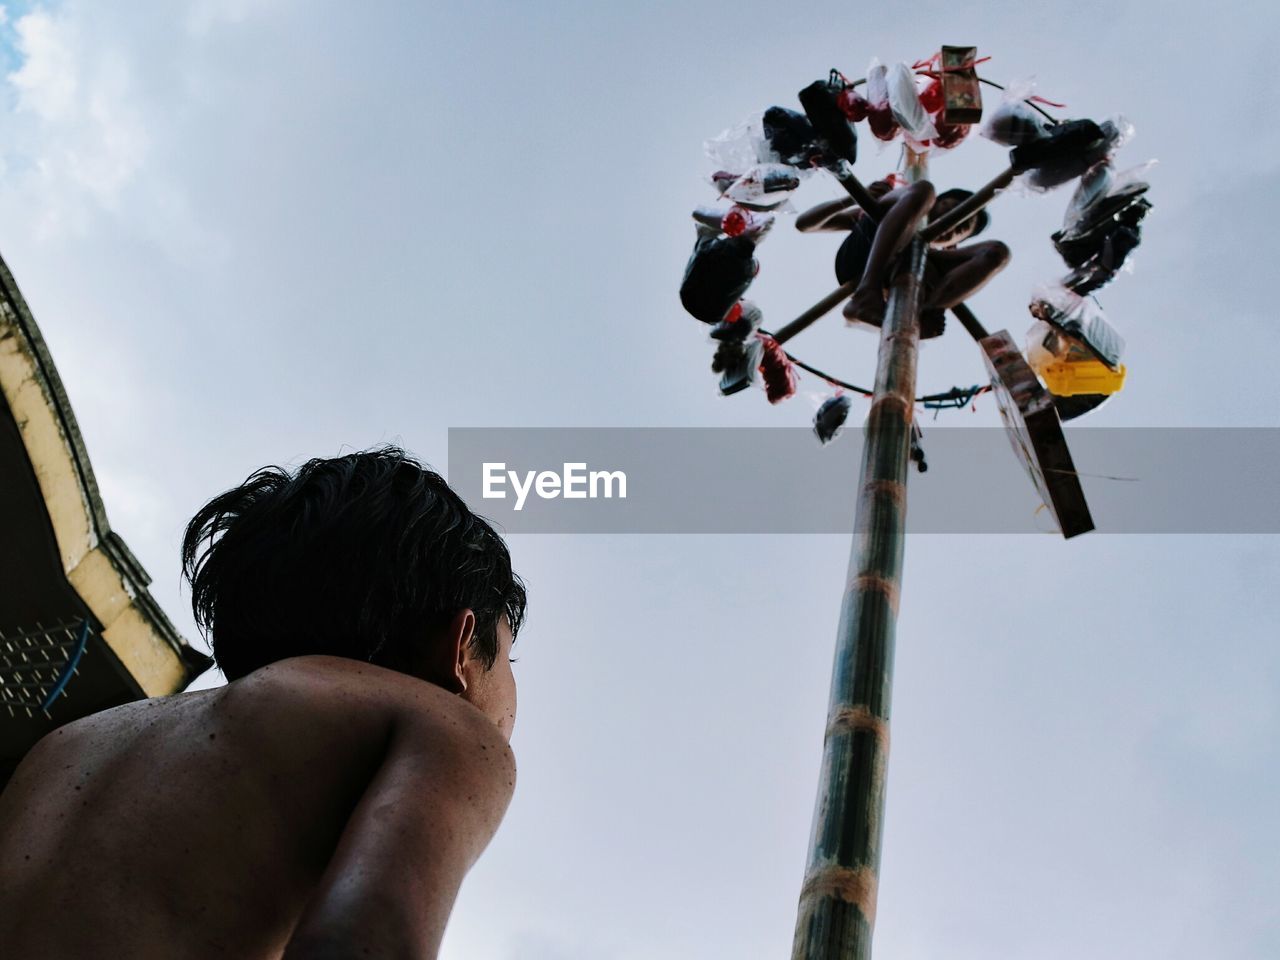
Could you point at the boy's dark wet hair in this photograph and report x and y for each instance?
(357, 556)
(958, 196)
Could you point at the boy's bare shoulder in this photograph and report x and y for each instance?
(319, 690)
(324, 681)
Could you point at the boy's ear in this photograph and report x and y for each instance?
(458, 633)
(446, 655)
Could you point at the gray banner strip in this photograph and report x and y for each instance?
(781, 480)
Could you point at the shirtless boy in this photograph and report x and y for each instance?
(328, 801)
(952, 272)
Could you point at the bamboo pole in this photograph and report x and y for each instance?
(838, 899)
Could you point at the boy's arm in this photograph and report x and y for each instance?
(427, 814)
(839, 215)
(832, 215)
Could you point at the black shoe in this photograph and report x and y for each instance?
(717, 274)
(1123, 210)
(790, 135)
(1065, 152)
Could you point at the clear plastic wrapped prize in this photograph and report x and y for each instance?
(764, 186)
(904, 102)
(1014, 121)
(1081, 320)
(880, 118)
(831, 417)
(821, 105)
(717, 275)
(737, 361)
(776, 369)
(1065, 152)
(1099, 238)
(790, 136)
(742, 320)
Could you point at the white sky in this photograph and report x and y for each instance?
(259, 232)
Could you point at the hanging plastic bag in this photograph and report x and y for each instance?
(949, 135)
(877, 83)
(737, 362)
(735, 220)
(1101, 238)
(904, 103)
(709, 216)
(790, 136)
(835, 131)
(1119, 131)
(1071, 145)
(831, 417)
(777, 370)
(739, 221)
(1047, 344)
(853, 104)
(766, 186)
(1014, 121)
(1116, 213)
(740, 147)
(880, 118)
(1096, 273)
(717, 274)
(742, 320)
(1081, 320)
(1093, 186)
(1065, 152)
(931, 97)
(1099, 270)
(1070, 370)
(1102, 197)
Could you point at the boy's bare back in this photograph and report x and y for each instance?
(316, 806)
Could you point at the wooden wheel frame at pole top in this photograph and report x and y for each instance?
(1072, 364)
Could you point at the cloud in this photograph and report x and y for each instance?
(94, 115)
(47, 80)
(205, 15)
(83, 139)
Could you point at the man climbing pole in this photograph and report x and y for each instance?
(952, 272)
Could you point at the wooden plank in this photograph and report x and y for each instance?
(1035, 432)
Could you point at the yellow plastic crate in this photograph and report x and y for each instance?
(1081, 376)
